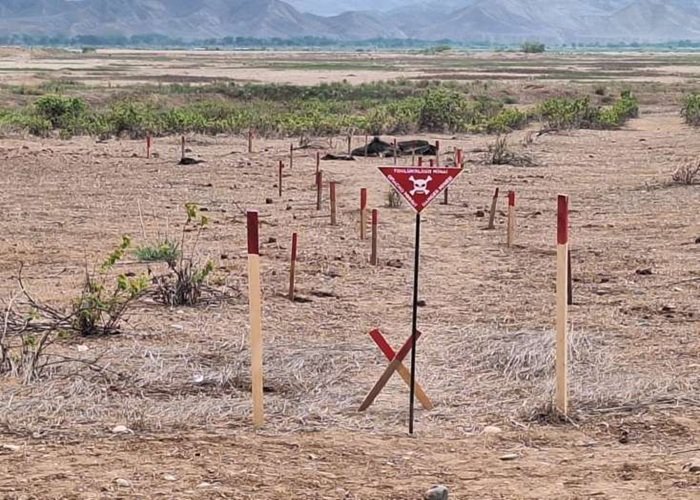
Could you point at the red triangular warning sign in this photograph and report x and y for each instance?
(420, 185)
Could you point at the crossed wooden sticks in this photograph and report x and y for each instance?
(395, 365)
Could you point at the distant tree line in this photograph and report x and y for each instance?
(162, 41)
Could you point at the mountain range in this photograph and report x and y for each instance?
(498, 21)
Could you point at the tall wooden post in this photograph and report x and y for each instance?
(562, 398)
(292, 266)
(511, 219)
(255, 304)
(375, 223)
(148, 146)
(279, 178)
(319, 189)
(334, 208)
(363, 213)
(492, 213)
(291, 155)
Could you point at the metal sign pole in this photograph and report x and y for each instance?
(414, 331)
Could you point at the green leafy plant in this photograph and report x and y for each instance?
(691, 109)
(101, 305)
(185, 281)
(164, 251)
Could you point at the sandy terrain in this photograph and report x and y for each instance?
(635, 377)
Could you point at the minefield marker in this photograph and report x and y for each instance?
(291, 155)
(334, 208)
(250, 140)
(255, 304)
(569, 277)
(319, 189)
(318, 161)
(511, 219)
(437, 153)
(375, 222)
(401, 369)
(279, 178)
(363, 213)
(182, 148)
(396, 361)
(292, 266)
(149, 142)
(349, 145)
(492, 213)
(419, 187)
(396, 151)
(562, 398)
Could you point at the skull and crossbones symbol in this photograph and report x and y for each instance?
(420, 185)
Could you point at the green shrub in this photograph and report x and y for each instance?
(533, 47)
(165, 251)
(691, 109)
(564, 113)
(59, 110)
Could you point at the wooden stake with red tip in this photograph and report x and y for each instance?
(334, 208)
(492, 213)
(562, 397)
(511, 219)
(363, 213)
(255, 304)
(375, 223)
(292, 266)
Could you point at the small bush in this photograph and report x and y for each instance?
(501, 154)
(60, 110)
(101, 305)
(165, 251)
(185, 281)
(687, 175)
(691, 109)
(393, 199)
(564, 113)
(533, 47)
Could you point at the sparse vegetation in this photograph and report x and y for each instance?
(691, 109)
(500, 153)
(531, 47)
(163, 251)
(563, 113)
(687, 175)
(186, 278)
(393, 199)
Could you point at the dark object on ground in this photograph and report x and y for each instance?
(331, 156)
(644, 272)
(189, 161)
(418, 148)
(377, 147)
(697, 240)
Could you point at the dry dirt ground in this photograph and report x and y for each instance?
(178, 378)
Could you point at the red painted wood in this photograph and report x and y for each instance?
(253, 238)
(563, 219)
(386, 348)
(511, 198)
